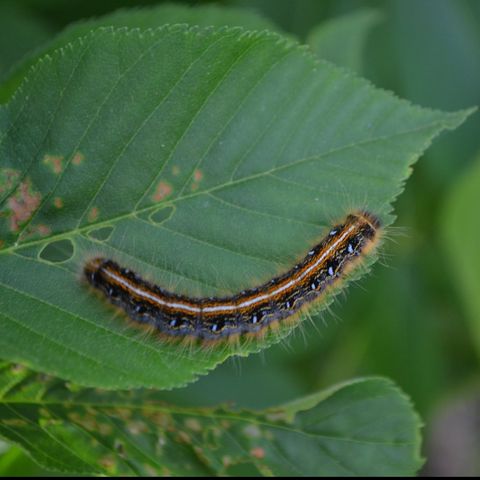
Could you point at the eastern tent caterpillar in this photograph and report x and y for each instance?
(251, 311)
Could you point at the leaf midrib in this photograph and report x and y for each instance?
(199, 413)
(149, 208)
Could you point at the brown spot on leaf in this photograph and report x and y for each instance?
(108, 463)
(54, 162)
(22, 204)
(193, 424)
(41, 230)
(123, 413)
(257, 452)
(198, 450)
(8, 178)
(160, 419)
(151, 472)
(88, 423)
(197, 178)
(58, 202)
(93, 214)
(78, 158)
(105, 429)
(197, 175)
(184, 437)
(35, 231)
(163, 191)
(136, 427)
(175, 170)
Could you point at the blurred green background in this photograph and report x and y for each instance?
(416, 319)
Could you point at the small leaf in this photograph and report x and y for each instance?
(362, 427)
(253, 147)
(341, 40)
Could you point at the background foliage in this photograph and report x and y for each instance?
(421, 326)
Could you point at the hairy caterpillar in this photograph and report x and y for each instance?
(250, 311)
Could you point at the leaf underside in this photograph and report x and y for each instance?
(363, 427)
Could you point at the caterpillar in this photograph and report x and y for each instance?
(250, 311)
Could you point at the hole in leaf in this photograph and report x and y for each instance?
(102, 234)
(160, 215)
(57, 252)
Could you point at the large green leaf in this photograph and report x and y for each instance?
(363, 427)
(208, 160)
(143, 18)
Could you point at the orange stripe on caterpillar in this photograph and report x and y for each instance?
(250, 311)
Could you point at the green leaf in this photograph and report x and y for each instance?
(341, 40)
(461, 231)
(362, 427)
(250, 145)
(143, 18)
